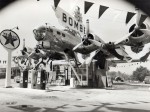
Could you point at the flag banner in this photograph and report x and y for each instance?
(102, 9)
(87, 6)
(129, 16)
(142, 19)
(56, 2)
(69, 21)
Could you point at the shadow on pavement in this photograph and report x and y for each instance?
(117, 109)
(30, 108)
(102, 107)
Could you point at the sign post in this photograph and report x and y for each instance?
(10, 41)
(8, 70)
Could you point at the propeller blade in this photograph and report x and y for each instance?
(96, 43)
(41, 51)
(146, 31)
(123, 38)
(78, 45)
(138, 17)
(31, 54)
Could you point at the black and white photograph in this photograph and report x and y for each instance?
(74, 55)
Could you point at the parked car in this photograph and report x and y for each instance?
(119, 79)
(147, 80)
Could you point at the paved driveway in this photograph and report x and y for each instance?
(65, 99)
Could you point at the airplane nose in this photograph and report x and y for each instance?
(40, 33)
(37, 35)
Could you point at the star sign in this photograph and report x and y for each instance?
(9, 39)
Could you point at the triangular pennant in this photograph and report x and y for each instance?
(142, 19)
(129, 16)
(56, 2)
(87, 6)
(102, 9)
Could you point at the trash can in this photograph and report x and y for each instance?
(24, 78)
(41, 79)
(32, 76)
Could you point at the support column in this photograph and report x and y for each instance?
(8, 70)
(104, 75)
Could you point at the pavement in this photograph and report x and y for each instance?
(66, 99)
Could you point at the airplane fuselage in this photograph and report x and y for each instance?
(51, 38)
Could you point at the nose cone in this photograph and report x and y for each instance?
(40, 33)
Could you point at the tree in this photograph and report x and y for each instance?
(140, 73)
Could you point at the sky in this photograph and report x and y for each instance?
(29, 14)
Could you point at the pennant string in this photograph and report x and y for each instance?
(129, 16)
(87, 6)
(56, 2)
(102, 9)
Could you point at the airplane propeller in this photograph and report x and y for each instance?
(96, 43)
(85, 39)
(77, 46)
(136, 30)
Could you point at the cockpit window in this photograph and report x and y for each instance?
(51, 30)
(58, 32)
(63, 34)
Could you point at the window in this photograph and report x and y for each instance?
(51, 30)
(63, 34)
(58, 32)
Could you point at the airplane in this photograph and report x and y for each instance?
(138, 36)
(4, 4)
(69, 41)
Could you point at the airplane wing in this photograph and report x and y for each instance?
(124, 61)
(142, 59)
(123, 40)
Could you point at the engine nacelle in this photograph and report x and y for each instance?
(95, 37)
(91, 36)
(137, 32)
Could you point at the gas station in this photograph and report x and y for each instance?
(60, 73)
